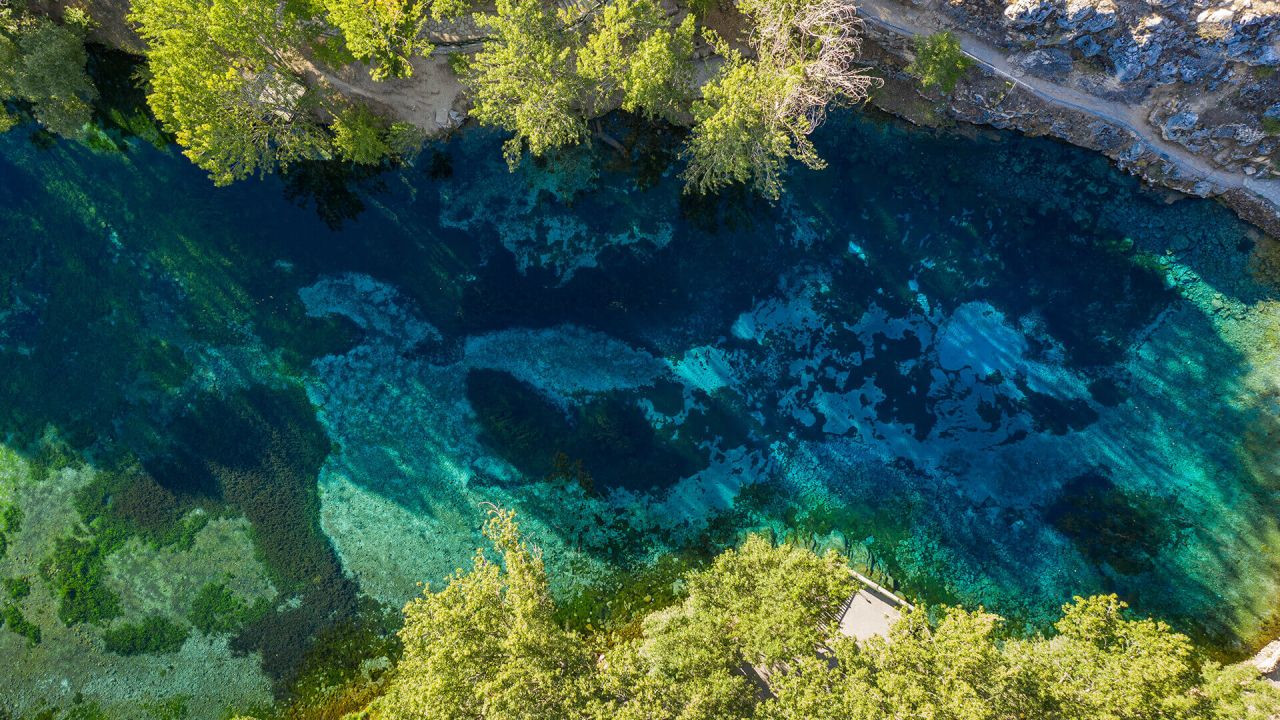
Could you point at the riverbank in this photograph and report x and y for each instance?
(1000, 92)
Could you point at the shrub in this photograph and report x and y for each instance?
(939, 61)
(155, 634)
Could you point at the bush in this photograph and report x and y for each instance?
(939, 61)
(155, 634)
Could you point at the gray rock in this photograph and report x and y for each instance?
(1051, 63)
(1103, 18)
(1075, 13)
(1127, 59)
(1088, 46)
(1272, 112)
(1179, 123)
(1023, 13)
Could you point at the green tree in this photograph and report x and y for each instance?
(223, 82)
(737, 135)
(631, 54)
(385, 33)
(755, 115)
(487, 645)
(360, 136)
(940, 62)
(523, 80)
(758, 605)
(43, 63)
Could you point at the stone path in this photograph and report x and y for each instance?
(908, 22)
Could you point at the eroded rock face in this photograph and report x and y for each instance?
(1206, 73)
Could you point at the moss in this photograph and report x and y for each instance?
(216, 610)
(16, 588)
(16, 622)
(75, 574)
(154, 634)
(1271, 125)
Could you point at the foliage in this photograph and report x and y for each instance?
(757, 114)
(43, 63)
(939, 61)
(16, 588)
(487, 646)
(222, 81)
(216, 610)
(523, 80)
(629, 52)
(658, 82)
(737, 138)
(753, 638)
(10, 524)
(1099, 665)
(360, 136)
(11, 615)
(74, 572)
(385, 33)
(154, 634)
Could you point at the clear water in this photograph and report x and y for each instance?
(990, 366)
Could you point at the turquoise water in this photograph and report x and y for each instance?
(991, 367)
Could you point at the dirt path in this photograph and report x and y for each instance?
(909, 22)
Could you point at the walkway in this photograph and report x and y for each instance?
(870, 611)
(908, 22)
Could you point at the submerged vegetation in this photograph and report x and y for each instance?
(765, 617)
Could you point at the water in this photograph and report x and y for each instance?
(989, 365)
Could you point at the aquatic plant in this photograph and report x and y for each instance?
(74, 572)
(153, 634)
(13, 618)
(215, 610)
(17, 588)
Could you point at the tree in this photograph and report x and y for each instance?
(385, 33)
(223, 82)
(940, 62)
(360, 136)
(523, 80)
(633, 54)
(487, 645)
(43, 63)
(757, 114)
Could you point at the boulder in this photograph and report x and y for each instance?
(1052, 63)
(1025, 13)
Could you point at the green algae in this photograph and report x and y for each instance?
(152, 634)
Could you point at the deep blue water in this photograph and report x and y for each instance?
(991, 366)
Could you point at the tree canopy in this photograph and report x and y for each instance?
(940, 62)
(223, 81)
(43, 63)
(763, 617)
